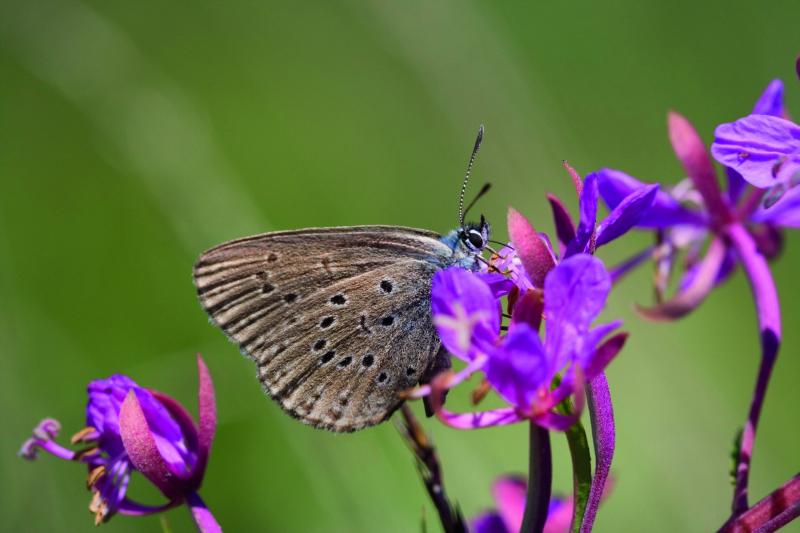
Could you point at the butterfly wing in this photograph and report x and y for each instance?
(337, 319)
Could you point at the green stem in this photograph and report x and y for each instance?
(581, 469)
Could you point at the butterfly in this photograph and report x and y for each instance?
(337, 320)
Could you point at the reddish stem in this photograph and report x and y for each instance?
(771, 513)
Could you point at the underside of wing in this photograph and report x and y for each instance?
(337, 320)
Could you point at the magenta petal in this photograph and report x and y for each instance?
(132, 508)
(509, 496)
(532, 251)
(601, 412)
(141, 447)
(205, 521)
(604, 354)
(686, 301)
(480, 420)
(207, 406)
(565, 227)
(692, 154)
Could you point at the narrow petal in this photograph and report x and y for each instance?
(141, 448)
(576, 178)
(205, 521)
(465, 312)
(484, 419)
(626, 215)
(207, 408)
(601, 413)
(686, 301)
(534, 254)
(771, 100)
(692, 154)
(619, 271)
(604, 354)
(575, 293)
(665, 211)
(756, 146)
(588, 219)
(565, 227)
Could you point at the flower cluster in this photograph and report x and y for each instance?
(702, 232)
(131, 428)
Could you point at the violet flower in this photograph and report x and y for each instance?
(519, 365)
(741, 232)
(764, 148)
(509, 493)
(129, 428)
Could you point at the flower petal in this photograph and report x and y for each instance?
(575, 293)
(756, 146)
(140, 445)
(509, 496)
(205, 521)
(586, 226)
(489, 522)
(565, 227)
(626, 215)
(692, 154)
(665, 211)
(686, 301)
(534, 254)
(465, 312)
(771, 100)
(207, 427)
(785, 212)
(519, 368)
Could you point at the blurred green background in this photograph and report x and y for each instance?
(133, 135)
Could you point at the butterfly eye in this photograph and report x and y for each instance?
(475, 239)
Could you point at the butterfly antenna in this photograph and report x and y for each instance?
(475, 149)
(483, 191)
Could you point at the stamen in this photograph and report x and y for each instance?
(95, 475)
(86, 452)
(86, 434)
(480, 392)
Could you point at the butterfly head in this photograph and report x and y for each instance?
(474, 236)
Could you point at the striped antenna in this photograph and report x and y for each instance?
(475, 149)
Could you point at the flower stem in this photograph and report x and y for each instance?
(581, 468)
(771, 513)
(769, 322)
(205, 521)
(540, 478)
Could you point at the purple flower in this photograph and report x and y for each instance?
(132, 428)
(763, 147)
(509, 496)
(519, 365)
(742, 225)
(695, 210)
